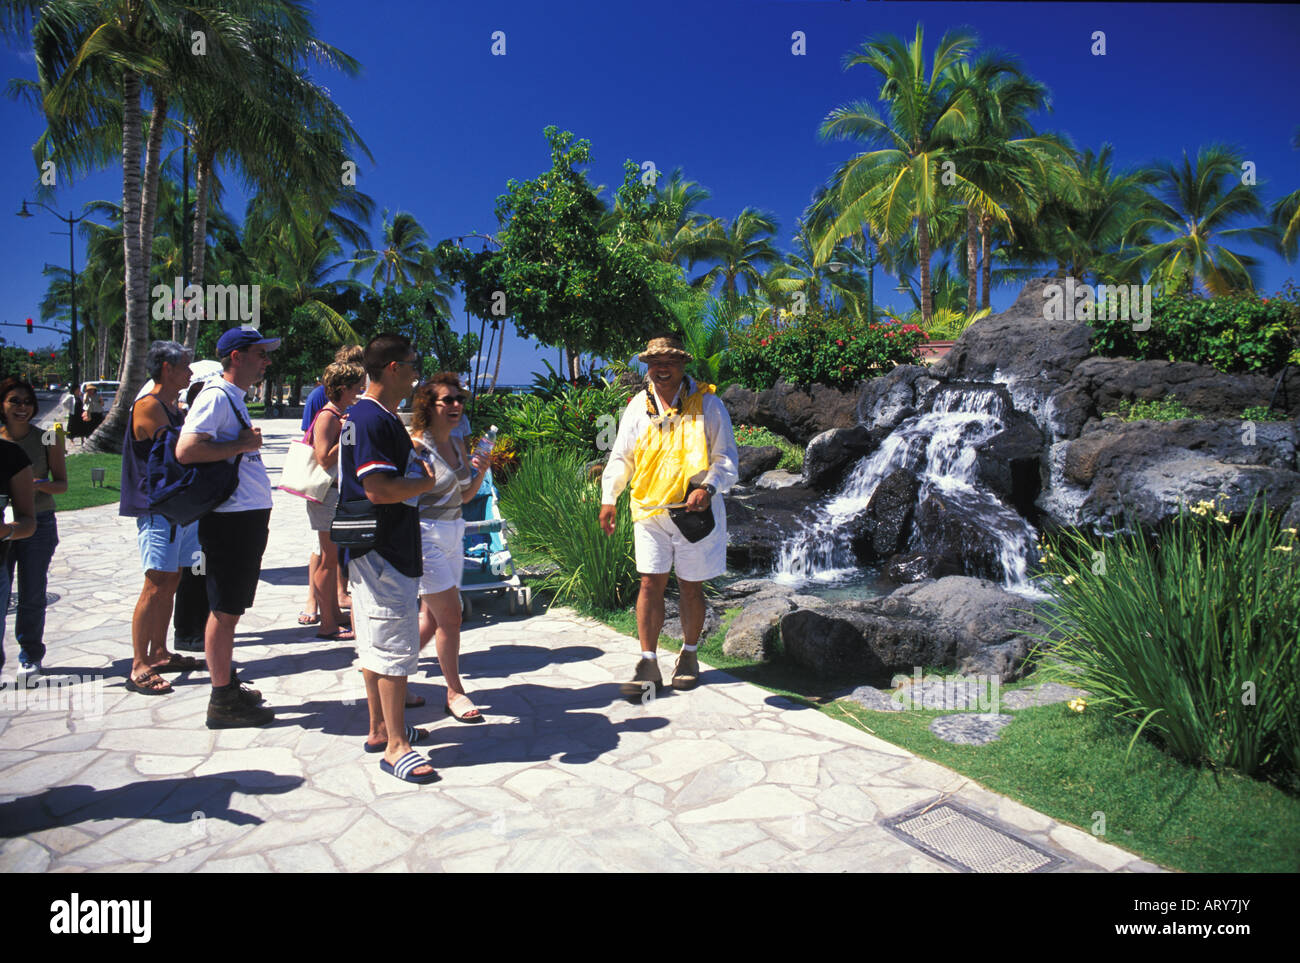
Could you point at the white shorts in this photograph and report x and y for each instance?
(385, 615)
(444, 554)
(661, 547)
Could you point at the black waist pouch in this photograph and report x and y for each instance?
(694, 526)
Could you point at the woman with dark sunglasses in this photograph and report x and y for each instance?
(437, 408)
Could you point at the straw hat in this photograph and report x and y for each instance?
(665, 347)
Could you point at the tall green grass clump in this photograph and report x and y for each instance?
(554, 511)
(1191, 637)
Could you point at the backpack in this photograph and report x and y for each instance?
(184, 493)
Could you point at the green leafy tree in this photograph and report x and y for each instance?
(566, 281)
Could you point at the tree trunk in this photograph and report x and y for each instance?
(572, 357)
(199, 245)
(496, 371)
(972, 260)
(923, 255)
(986, 259)
(108, 436)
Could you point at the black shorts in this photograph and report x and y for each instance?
(233, 544)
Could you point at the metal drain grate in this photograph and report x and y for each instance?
(968, 840)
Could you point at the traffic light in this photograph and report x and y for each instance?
(29, 325)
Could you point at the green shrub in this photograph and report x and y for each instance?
(1237, 333)
(1262, 413)
(1190, 635)
(791, 454)
(566, 417)
(553, 509)
(834, 350)
(1161, 409)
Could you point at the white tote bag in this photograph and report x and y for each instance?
(303, 475)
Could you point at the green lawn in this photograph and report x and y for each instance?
(1072, 766)
(80, 494)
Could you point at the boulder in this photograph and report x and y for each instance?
(885, 402)
(755, 632)
(952, 526)
(797, 413)
(1010, 464)
(1098, 385)
(1020, 347)
(777, 478)
(832, 454)
(759, 521)
(756, 460)
(970, 625)
(1152, 466)
(915, 566)
(882, 529)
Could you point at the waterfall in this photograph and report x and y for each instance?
(938, 447)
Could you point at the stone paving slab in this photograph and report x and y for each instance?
(564, 776)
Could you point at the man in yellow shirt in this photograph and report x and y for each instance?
(675, 448)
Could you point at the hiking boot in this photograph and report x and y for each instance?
(686, 673)
(647, 674)
(247, 693)
(228, 708)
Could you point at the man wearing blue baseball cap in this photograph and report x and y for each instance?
(232, 536)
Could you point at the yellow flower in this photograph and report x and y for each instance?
(1068, 580)
(1042, 558)
(1282, 548)
(1290, 531)
(1077, 704)
(1221, 517)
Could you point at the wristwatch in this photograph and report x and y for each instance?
(710, 489)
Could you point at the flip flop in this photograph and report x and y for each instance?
(413, 735)
(338, 635)
(465, 714)
(182, 663)
(305, 619)
(405, 766)
(144, 683)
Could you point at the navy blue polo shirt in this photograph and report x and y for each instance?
(376, 441)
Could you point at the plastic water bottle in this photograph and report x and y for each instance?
(485, 444)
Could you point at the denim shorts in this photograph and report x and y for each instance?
(164, 547)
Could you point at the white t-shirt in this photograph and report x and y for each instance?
(214, 416)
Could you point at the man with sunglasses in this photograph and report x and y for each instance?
(377, 464)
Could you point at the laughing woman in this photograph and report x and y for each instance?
(438, 406)
(46, 476)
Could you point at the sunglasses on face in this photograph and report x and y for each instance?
(452, 400)
(15, 401)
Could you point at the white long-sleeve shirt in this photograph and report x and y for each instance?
(722, 472)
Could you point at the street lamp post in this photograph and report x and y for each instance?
(72, 277)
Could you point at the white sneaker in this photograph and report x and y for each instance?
(29, 673)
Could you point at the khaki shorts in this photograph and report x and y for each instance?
(385, 615)
(321, 514)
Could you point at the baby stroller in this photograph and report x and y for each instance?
(489, 569)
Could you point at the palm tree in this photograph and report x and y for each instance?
(1004, 157)
(1196, 202)
(902, 182)
(674, 232)
(277, 127)
(1286, 215)
(404, 258)
(742, 249)
(1086, 229)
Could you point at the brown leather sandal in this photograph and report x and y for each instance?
(147, 683)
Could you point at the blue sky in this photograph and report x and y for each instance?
(714, 87)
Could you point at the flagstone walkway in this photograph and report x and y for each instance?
(563, 775)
